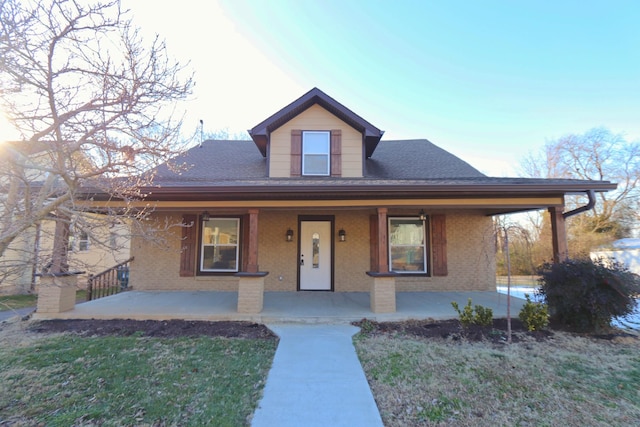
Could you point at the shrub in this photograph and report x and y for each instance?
(534, 315)
(585, 295)
(484, 316)
(473, 316)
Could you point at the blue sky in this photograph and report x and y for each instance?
(488, 81)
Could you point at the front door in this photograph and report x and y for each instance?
(315, 256)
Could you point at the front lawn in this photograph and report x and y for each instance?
(113, 381)
(565, 380)
(14, 302)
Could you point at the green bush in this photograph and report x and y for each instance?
(534, 315)
(585, 295)
(473, 316)
(484, 316)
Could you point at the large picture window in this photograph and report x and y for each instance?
(316, 150)
(407, 249)
(219, 251)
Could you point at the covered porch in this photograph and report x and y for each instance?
(305, 307)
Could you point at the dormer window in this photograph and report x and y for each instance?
(316, 153)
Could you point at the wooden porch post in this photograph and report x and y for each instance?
(383, 259)
(558, 235)
(57, 290)
(383, 287)
(252, 255)
(251, 281)
(59, 258)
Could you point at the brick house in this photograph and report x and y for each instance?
(317, 201)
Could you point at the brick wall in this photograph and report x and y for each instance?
(157, 262)
(470, 252)
(470, 257)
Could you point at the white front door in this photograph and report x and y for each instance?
(315, 256)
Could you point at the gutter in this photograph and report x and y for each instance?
(590, 204)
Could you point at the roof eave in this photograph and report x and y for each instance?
(395, 191)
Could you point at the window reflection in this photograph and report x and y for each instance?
(316, 250)
(220, 245)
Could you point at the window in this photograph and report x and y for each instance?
(316, 149)
(219, 250)
(407, 250)
(113, 240)
(80, 241)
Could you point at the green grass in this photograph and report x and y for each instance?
(70, 380)
(14, 302)
(568, 380)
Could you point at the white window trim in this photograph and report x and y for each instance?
(328, 153)
(424, 246)
(80, 239)
(237, 246)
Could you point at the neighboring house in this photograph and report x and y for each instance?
(623, 251)
(317, 201)
(30, 253)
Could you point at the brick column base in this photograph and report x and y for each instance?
(383, 295)
(250, 293)
(56, 294)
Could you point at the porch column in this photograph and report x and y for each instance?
(56, 293)
(251, 281)
(383, 258)
(59, 258)
(252, 255)
(57, 288)
(383, 292)
(383, 287)
(558, 235)
(250, 292)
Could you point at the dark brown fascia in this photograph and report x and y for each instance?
(359, 192)
(260, 133)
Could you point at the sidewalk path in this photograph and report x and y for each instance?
(5, 315)
(316, 380)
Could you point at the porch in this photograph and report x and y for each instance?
(304, 307)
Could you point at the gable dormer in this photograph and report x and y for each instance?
(315, 136)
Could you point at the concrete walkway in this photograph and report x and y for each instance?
(316, 380)
(6, 315)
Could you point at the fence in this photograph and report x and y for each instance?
(110, 282)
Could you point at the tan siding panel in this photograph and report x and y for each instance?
(296, 152)
(336, 152)
(315, 118)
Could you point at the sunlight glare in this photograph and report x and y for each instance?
(7, 132)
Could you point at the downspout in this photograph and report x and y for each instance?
(590, 204)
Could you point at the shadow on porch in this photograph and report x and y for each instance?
(304, 307)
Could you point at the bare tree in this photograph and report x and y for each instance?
(597, 154)
(92, 102)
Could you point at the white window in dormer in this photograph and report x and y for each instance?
(316, 153)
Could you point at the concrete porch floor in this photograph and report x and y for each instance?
(303, 307)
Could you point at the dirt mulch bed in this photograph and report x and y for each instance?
(155, 328)
(449, 330)
(453, 331)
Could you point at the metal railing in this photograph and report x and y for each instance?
(110, 282)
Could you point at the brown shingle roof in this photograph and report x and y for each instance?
(409, 166)
(217, 160)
